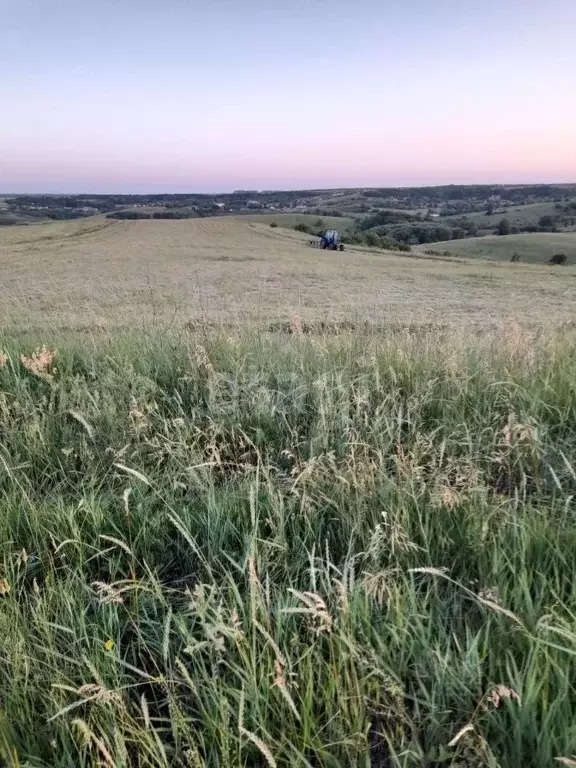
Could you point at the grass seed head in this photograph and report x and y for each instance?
(40, 363)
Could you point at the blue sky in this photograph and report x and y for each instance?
(144, 96)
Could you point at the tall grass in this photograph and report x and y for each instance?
(336, 551)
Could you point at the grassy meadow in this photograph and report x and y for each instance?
(519, 215)
(259, 539)
(534, 248)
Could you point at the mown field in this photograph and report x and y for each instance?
(336, 530)
(534, 248)
(97, 273)
(290, 220)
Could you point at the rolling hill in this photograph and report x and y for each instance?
(290, 220)
(534, 248)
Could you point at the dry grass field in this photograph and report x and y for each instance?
(290, 220)
(101, 273)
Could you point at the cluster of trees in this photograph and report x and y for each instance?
(568, 207)
(415, 234)
(386, 217)
(547, 223)
(334, 214)
(129, 215)
(374, 240)
(358, 237)
(170, 214)
(414, 229)
(7, 220)
(470, 197)
(60, 206)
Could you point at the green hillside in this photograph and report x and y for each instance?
(533, 248)
(520, 215)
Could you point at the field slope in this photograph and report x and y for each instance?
(290, 220)
(101, 273)
(534, 248)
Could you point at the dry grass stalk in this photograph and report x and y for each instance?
(137, 416)
(467, 729)
(379, 585)
(281, 684)
(90, 738)
(40, 363)
(342, 592)
(99, 694)
(515, 433)
(201, 360)
(107, 594)
(264, 749)
(145, 711)
(277, 652)
(449, 497)
(296, 325)
(389, 535)
(315, 608)
(501, 693)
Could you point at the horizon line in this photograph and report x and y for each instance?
(272, 190)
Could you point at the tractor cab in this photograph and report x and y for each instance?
(330, 241)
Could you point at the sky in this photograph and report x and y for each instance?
(181, 95)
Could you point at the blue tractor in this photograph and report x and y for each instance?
(330, 241)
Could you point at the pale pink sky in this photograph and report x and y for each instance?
(119, 95)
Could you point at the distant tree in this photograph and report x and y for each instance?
(546, 221)
(504, 227)
(373, 240)
(472, 228)
(489, 210)
(559, 258)
(443, 233)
